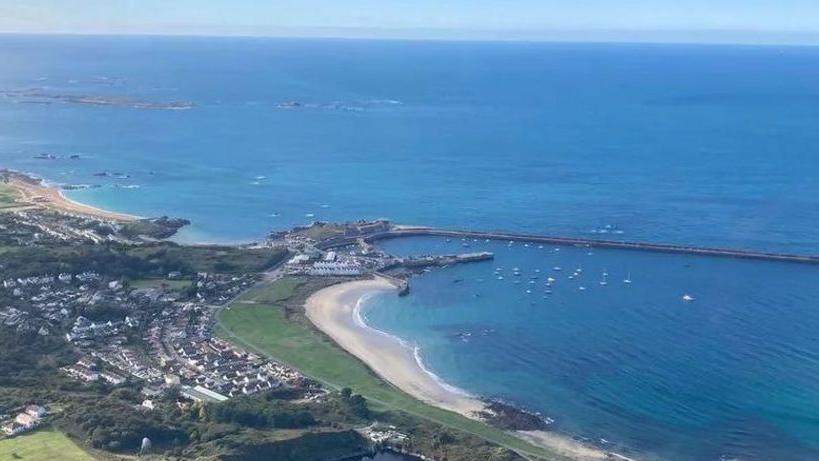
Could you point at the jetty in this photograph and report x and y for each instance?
(365, 235)
(407, 231)
(401, 284)
(420, 262)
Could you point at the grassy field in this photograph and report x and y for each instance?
(7, 196)
(42, 445)
(172, 285)
(256, 321)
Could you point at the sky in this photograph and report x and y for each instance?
(733, 21)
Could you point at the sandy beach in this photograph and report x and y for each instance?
(33, 193)
(332, 310)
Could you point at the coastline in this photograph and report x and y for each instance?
(335, 311)
(35, 193)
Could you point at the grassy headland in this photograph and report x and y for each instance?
(267, 319)
(8, 196)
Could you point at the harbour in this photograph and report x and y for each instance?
(404, 231)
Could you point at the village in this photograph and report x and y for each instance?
(152, 336)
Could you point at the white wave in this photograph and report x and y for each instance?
(394, 102)
(358, 318)
(416, 352)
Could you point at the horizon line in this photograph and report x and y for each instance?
(814, 42)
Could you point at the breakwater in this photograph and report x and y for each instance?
(398, 232)
(427, 261)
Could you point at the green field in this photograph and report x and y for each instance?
(42, 445)
(7, 197)
(172, 285)
(256, 321)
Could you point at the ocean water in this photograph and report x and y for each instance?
(628, 366)
(703, 145)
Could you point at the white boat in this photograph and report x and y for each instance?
(628, 278)
(500, 277)
(557, 268)
(688, 298)
(551, 280)
(603, 283)
(581, 288)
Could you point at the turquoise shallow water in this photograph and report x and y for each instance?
(681, 144)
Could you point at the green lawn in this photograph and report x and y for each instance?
(42, 445)
(256, 321)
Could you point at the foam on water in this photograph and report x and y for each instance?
(359, 318)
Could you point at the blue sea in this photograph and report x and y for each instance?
(701, 145)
